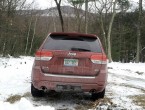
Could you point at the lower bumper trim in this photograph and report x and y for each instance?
(70, 76)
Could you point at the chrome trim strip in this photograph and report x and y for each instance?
(104, 62)
(70, 76)
(99, 62)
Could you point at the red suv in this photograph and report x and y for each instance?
(71, 62)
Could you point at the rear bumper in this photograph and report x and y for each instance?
(50, 81)
(53, 86)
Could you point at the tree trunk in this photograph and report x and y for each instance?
(60, 14)
(33, 36)
(138, 33)
(12, 52)
(54, 24)
(103, 31)
(78, 17)
(4, 46)
(86, 16)
(109, 32)
(138, 45)
(28, 35)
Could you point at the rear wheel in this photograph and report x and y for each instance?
(98, 95)
(35, 92)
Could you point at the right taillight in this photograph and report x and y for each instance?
(99, 59)
(43, 55)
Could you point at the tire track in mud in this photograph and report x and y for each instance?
(129, 81)
(128, 86)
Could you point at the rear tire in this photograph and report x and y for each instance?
(98, 95)
(35, 92)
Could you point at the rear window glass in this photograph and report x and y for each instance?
(79, 43)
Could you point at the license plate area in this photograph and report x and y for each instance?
(70, 62)
(68, 88)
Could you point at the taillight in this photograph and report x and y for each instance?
(43, 55)
(99, 59)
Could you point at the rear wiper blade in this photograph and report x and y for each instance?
(80, 49)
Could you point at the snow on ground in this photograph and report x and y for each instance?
(125, 80)
(15, 76)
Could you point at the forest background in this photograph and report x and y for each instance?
(119, 25)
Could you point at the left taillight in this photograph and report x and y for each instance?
(43, 55)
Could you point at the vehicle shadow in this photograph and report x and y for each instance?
(64, 101)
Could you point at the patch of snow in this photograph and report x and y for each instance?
(128, 69)
(23, 104)
(15, 76)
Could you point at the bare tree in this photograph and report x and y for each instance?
(8, 13)
(28, 34)
(109, 31)
(33, 34)
(78, 14)
(104, 8)
(58, 4)
(86, 16)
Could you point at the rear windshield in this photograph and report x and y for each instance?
(79, 43)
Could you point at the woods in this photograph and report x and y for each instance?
(121, 29)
